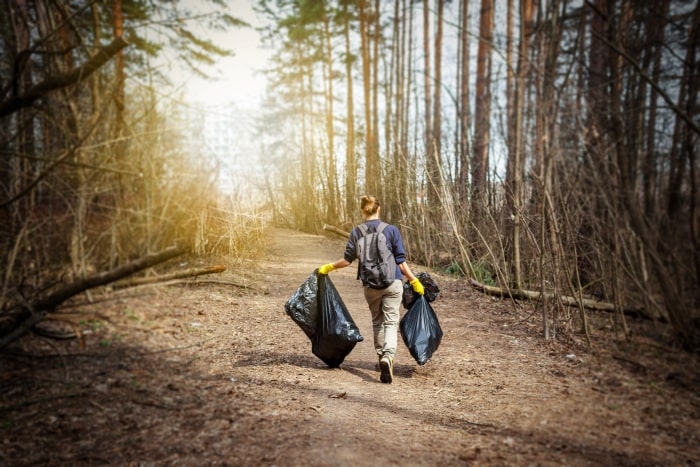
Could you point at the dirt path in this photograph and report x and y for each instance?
(212, 374)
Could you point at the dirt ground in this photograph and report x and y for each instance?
(211, 373)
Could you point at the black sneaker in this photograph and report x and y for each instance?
(386, 366)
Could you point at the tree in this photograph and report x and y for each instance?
(463, 113)
(372, 176)
(599, 131)
(434, 153)
(350, 156)
(74, 200)
(482, 112)
(427, 81)
(515, 164)
(329, 77)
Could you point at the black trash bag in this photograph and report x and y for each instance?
(302, 306)
(431, 290)
(421, 330)
(336, 333)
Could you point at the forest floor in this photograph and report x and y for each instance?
(211, 373)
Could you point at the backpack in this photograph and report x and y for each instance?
(377, 265)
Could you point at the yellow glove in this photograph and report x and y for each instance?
(417, 286)
(326, 268)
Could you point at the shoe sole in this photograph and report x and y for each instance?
(386, 376)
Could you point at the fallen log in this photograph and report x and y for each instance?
(336, 230)
(192, 272)
(30, 313)
(590, 304)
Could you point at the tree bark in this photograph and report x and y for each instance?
(464, 113)
(120, 93)
(350, 158)
(426, 81)
(370, 166)
(331, 172)
(375, 182)
(482, 114)
(435, 162)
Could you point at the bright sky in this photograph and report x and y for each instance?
(236, 78)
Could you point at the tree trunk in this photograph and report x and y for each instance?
(514, 174)
(331, 172)
(427, 78)
(119, 94)
(435, 156)
(350, 156)
(463, 109)
(656, 30)
(370, 171)
(482, 114)
(375, 182)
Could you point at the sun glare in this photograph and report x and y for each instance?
(234, 79)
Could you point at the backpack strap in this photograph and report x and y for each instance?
(380, 228)
(364, 230)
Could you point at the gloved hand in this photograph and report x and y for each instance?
(417, 286)
(326, 268)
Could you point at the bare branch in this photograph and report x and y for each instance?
(53, 83)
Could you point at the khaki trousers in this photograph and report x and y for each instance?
(384, 305)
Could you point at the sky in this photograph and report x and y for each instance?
(236, 78)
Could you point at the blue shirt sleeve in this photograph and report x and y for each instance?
(350, 250)
(395, 240)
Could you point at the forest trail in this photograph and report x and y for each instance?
(212, 374)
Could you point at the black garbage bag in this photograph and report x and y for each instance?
(421, 331)
(302, 306)
(431, 290)
(336, 332)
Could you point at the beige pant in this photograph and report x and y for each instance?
(384, 305)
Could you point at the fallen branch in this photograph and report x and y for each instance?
(564, 299)
(32, 312)
(336, 230)
(64, 293)
(193, 272)
(217, 282)
(118, 294)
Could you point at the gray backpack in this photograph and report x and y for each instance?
(377, 267)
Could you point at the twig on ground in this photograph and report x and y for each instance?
(193, 272)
